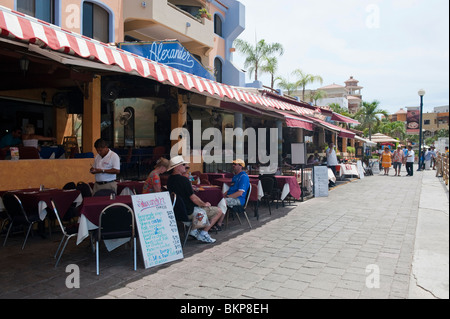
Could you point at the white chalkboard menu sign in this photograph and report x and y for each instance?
(157, 228)
(320, 181)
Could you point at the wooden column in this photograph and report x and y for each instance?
(92, 114)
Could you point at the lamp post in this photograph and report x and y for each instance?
(421, 94)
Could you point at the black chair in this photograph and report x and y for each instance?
(116, 222)
(275, 193)
(85, 189)
(67, 231)
(181, 216)
(270, 192)
(18, 216)
(104, 192)
(69, 185)
(236, 210)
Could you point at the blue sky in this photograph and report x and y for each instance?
(393, 47)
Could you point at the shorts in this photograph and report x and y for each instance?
(210, 211)
(231, 202)
(397, 165)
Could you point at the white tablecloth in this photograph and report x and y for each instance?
(348, 169)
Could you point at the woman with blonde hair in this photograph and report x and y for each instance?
(153, 182)
(30, 139)
(386, 160)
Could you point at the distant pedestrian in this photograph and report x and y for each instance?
(386, 160)
(332, 161)
(398, 159)
(410, 161)
(429, 156)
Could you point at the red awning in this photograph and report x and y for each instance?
(342, 132)
(295, 121)
(344, 119)
(16, 25)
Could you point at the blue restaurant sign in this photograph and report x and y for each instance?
(170, 53)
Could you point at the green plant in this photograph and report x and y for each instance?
(203, 13)
(351, 149)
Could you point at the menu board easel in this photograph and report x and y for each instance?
(320, 181)
(157, 228)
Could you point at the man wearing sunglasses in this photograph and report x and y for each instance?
(240, 183)
(182, 187)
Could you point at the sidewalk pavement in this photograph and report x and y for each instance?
(430, 272)
(382, 237)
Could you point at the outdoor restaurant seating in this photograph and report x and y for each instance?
(236, 210)
(18, 216)
(85, 189)
(67, 231)
(104, 192)
(70, 185)
(270, 193)
(116, 222)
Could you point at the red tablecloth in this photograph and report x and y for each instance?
(212, 194)
(30, 199)
(132, 185)
(294, 187)
(214, 176)
(93, 206)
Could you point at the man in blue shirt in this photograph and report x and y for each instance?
(10, 140)
(239, 185)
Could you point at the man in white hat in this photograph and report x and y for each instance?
(182, 187)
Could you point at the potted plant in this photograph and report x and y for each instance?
(203, 13)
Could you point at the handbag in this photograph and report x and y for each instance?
(200, 219)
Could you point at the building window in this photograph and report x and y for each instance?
(40, 9)
(426, 122)
(95, 22)
(218, 70)
(218, 25)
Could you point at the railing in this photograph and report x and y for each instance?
(442, 167)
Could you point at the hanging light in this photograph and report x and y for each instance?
(24, 63)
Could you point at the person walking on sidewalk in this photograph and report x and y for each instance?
(410, 161)
(386, 160)
(398, 158)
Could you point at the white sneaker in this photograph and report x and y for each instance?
(194, 233)
(204, 237)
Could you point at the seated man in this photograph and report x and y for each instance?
(11, 139)
(182, 187)
(240, 183)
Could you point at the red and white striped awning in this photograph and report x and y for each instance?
(18, 26)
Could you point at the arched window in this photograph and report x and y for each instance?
(95, 22)
(40, 9)
(218, 25)
(218, 70)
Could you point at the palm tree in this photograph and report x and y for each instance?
(286, 85)
(305, 79)
(368, 115)
(336, 108)
(256, 54)
(394, 129)
(271, 67)
(319, 94)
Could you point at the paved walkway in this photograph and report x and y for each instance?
(363, 241)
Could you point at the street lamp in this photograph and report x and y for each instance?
(421, 94)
